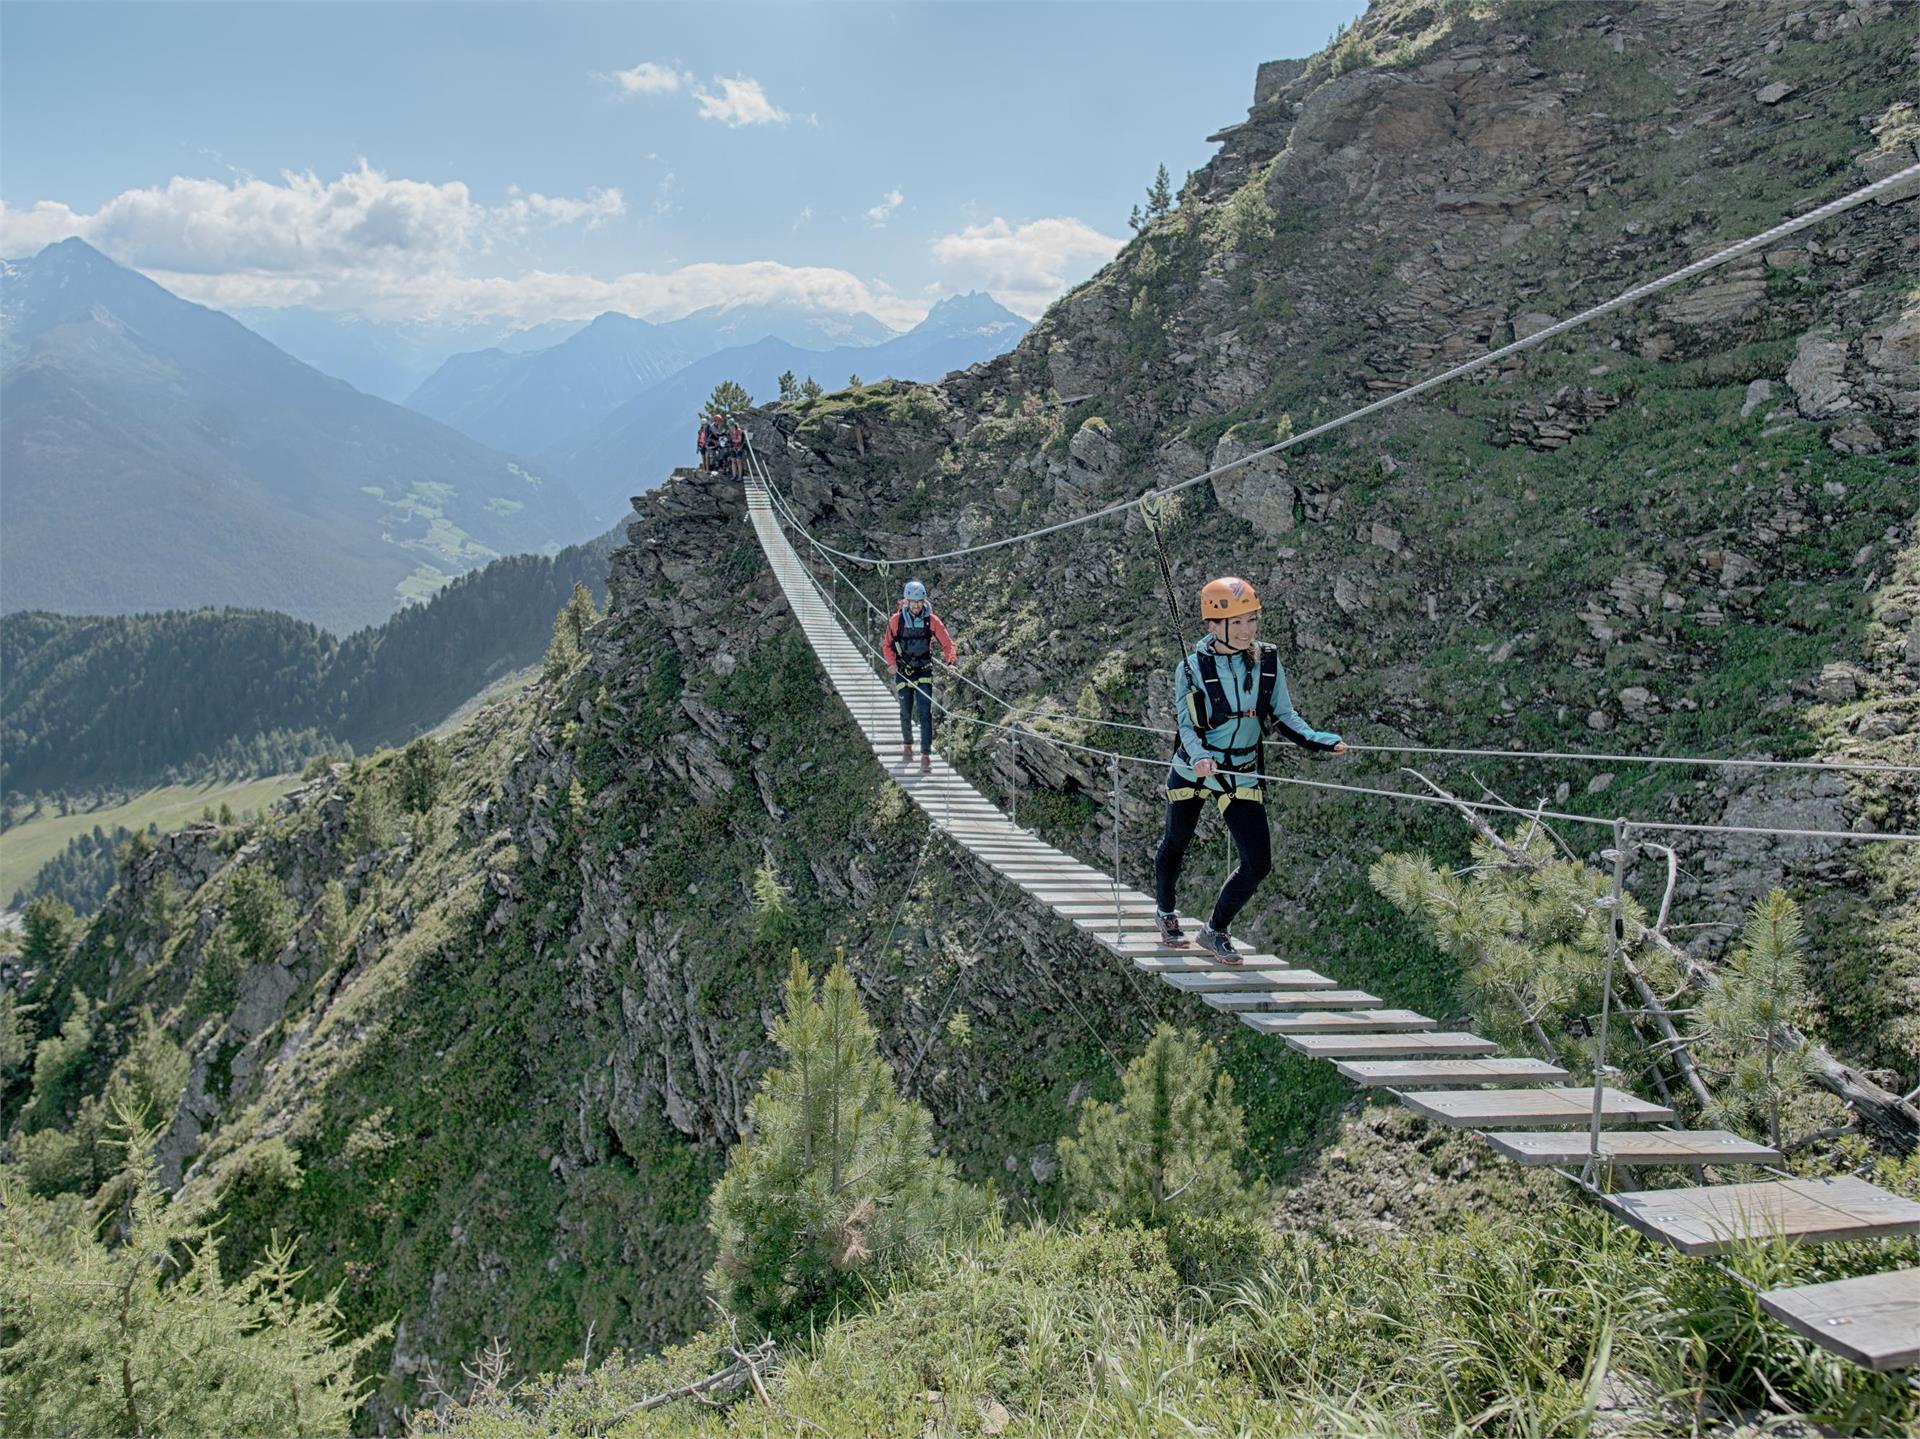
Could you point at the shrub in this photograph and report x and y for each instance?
(148, 1337)
(1169, 1144)
(837, 1185)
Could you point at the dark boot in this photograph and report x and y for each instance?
(1217, 945)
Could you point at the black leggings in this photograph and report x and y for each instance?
(1246, 821)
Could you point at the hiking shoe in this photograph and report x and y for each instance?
(1217, 945)
(1171, 935)
(906, 754)
(926, 764)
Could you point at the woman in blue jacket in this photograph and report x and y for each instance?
(1225, 694)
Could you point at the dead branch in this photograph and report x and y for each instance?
(1888, 1115)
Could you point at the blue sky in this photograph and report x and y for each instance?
(550, 162)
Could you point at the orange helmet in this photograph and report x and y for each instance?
(1226, 597)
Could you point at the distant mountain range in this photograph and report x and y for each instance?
(160, 455)
(528, 403)
(388, 358)
(632, 448)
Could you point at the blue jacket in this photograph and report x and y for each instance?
(1240, 682)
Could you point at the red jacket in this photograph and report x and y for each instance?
(938, 630)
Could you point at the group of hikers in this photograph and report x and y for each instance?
(722, 445)
(1227, 692)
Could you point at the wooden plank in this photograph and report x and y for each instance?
(1450, 1042)
(1354, 1021)
(1251, 975)
(1275, 1000)
(1647, 1146)
(1197, 964)
(1477, 1108)
(1444, 1073)
(1140, 949)
(1806, 1211)
(1873, 1319)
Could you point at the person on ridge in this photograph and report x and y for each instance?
(1225, 694)
(907, 647)
(736, 447)
(705, 442)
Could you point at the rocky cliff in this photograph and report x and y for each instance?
(1690, 529)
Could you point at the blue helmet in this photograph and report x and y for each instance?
(914, 591)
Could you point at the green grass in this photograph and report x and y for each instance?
(27, 846)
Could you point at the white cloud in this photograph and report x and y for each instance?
(403, 249)
(805, 217)
(1026, 267)
(740, 102)
(883, 212)
(300, 225)
(523, 211)
(663, 202)
(651, 78)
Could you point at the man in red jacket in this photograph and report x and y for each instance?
(912, 632)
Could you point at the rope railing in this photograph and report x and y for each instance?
(784, 508)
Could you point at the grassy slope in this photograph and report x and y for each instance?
(27, 846)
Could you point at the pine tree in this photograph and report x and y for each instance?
(335, 927)
(51, 929)
(16, 1037)
(1136, 221)
(569, 630)
(836, 1183)
(1170, 1145)
(729, 397)
(261, 914)
(771, 905)
(422, 769)
(369, 814)
(1160, 194)
(1763, 986)
(165, 908)
(810, 389)
(145, 1335)
(789, 386)
(60, 1064)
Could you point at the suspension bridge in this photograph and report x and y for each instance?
(1523, 1107)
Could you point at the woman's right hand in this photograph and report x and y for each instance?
(1205, 769)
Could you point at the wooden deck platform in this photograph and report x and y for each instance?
(1873, 1320)
(1806, 1211)
(1642, 1147)
(1528, 1108)
(1443, 1073)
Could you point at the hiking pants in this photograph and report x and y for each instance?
(916, 694)
(1246, 821)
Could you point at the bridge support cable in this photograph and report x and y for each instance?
(1890, 184)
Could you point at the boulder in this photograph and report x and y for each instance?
(1817, 376)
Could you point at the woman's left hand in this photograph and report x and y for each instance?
(1340, 748)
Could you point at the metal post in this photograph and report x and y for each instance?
(1615, 904)
(1013, 786)
(1119, 934)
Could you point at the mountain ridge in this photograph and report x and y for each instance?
(132, 417)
